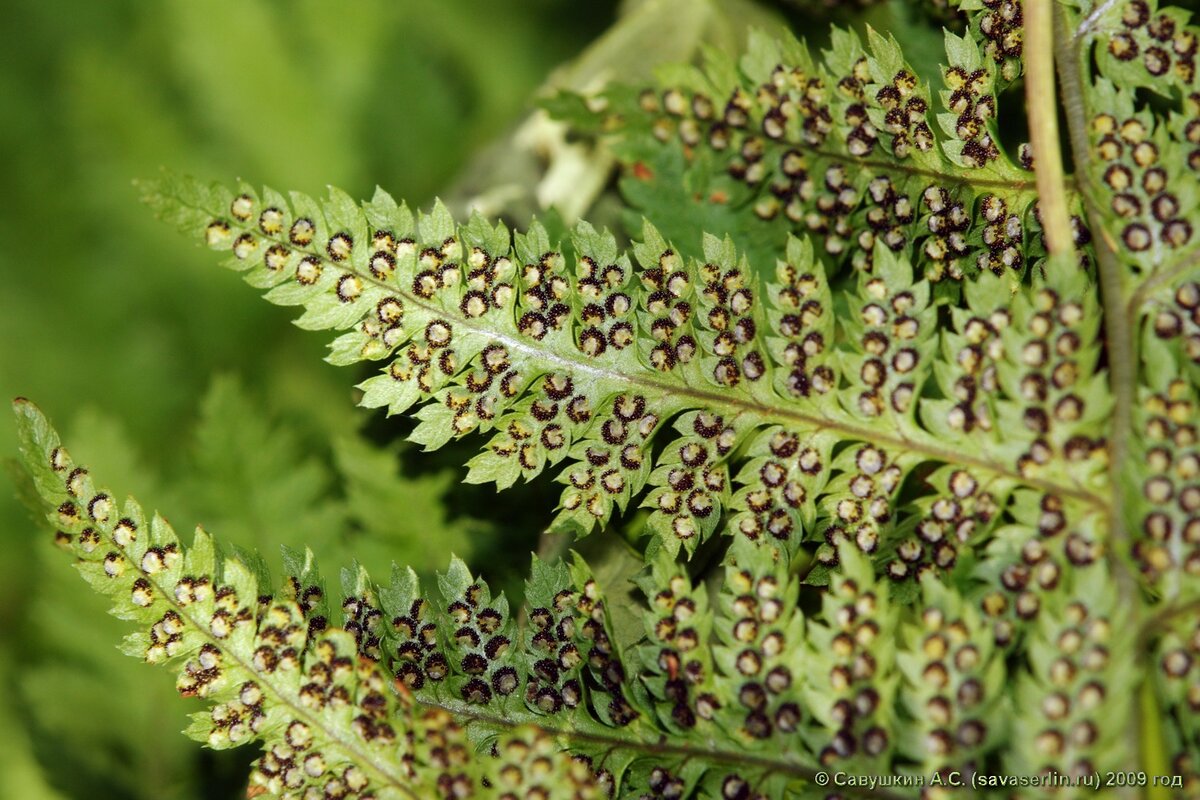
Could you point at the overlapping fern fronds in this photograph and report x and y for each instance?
(934, 411)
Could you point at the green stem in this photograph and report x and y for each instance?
(1042, 106)
(1154, 760)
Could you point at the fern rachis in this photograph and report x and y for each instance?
(929, 404)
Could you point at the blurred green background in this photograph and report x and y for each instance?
(171, 379)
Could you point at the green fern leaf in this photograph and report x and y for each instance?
(852, 149)
(479, 337)
(937, 432)
(274, 668)
(270, 665)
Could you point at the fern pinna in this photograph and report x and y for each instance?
(932, 407)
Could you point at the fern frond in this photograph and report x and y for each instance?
(578, 359)
(1072, 707)
(734, 695)
(399, 699)
(269, 663)
(1141, 160)
(1138, 161)
(1178, 654)
(945, 466)
(853, 148)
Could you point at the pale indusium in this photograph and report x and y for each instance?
(933, 406)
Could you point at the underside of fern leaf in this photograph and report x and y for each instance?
(580, 357)
(272, 666)
(380, 706)
(931, 407)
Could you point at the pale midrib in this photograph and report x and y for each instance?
(960, 179)
(708, 399)
(659, 748)
(355, 755)
(1041, 103)
(957, 178)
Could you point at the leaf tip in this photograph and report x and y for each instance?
(25, 409)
